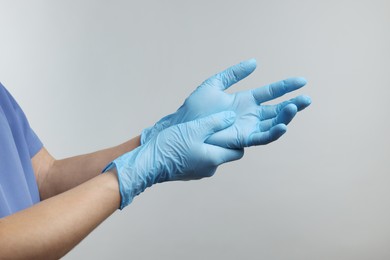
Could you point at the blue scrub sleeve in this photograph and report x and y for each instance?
(18, 144)
(34, 144)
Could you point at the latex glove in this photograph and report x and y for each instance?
(176, 153)
(256, 123)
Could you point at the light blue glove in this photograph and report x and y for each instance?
(176, 153)
(256, 124)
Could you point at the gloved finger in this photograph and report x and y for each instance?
(270, 111)
(219, 155)
(232, 75)
(273, 134)
(277, 89)
(284, 117)
(209, 125)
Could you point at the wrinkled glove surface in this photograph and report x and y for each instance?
(256, 124)
(176, 153)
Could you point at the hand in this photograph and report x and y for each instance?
(176, 153)
(256, 124)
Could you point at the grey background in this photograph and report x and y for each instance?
(92, 74)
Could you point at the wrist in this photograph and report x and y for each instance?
(112, 185)
(131, 175)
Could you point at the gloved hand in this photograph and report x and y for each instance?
(176, 153)
(256, 124)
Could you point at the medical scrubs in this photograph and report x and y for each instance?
(18, 144)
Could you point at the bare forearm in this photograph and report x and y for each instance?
(68, 173)
(53, 227)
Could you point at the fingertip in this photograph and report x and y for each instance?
(308, 100)
(250, 65)
(296, 82)
(301, 102)
(291, 109)
(241, 153)
(235, 73)
(282, 128)
(234, 154)
(268, 137)
(279, 130)
(287, 114)
(220, 155)
(253, 62)
(301, 81)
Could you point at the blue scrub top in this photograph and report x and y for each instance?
(18, 144)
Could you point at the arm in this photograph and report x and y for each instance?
(53, 227)
(56, 176)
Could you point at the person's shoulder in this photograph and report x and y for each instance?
(4, 92)
(3, 88)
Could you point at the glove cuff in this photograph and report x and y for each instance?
(131, 181)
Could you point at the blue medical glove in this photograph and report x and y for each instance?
(256, 123)
(176, 153)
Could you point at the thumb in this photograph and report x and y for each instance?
(214, 123)
(235, 73)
